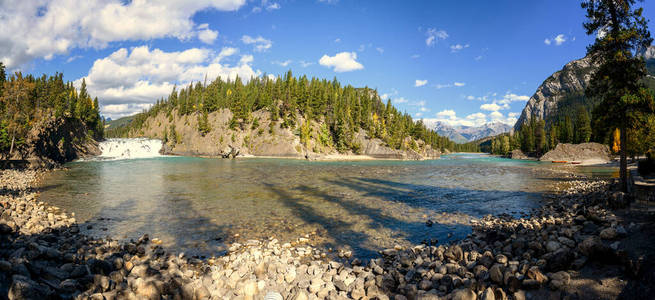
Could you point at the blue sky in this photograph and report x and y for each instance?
(463, 62)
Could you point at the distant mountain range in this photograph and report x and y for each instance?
(464, 134)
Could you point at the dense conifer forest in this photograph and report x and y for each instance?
(341, 110)
(26, 100)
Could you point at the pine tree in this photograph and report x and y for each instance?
(582, 126)
(620, 32)
(3, 77)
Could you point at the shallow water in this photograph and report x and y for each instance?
(197, 204)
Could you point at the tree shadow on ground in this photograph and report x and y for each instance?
(359, 225)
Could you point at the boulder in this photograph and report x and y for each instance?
(518, 154)
(589, 153)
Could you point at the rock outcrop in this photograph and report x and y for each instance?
(263, 138)
(53, 141)
(586, 153)
(569, 81)
(518, 154)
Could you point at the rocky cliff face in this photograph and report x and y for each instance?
(569, 81)
(54, 141)
(262, 139)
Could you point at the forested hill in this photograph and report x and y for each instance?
(45, 121)
(283, 116)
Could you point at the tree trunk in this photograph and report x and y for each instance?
(11, 148)
(623, 169)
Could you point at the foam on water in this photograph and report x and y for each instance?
(114, 149)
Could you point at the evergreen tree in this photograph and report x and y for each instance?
(620, 32)
(3, 77)
(540, 136)
(582, 126)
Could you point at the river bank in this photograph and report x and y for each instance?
(557, 250)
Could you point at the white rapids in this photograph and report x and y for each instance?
(114, 149)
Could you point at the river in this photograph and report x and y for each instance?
(198, 205)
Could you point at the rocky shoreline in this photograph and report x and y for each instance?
(44, 255)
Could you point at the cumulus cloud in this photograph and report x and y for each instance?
(126, 81)
(497, 116)
(491, 107)
(281, 63)
(449, 117)
(419, 82)
(43, 29)
(458, 47)
(558, 40)
(259, 43)
(459, 84)
(341, 62)
(207, 35)
(434, 35)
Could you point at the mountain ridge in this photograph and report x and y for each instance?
(562, 91)
(464, 134)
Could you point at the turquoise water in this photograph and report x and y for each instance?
(197, 205)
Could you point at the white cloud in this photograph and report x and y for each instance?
(475, 119)
(479, 57)
(450, 117)
(449, 85)
(265, 4)
(419, 82)
(415, 56)
(273, 6)
(397, 100)
(281, 63)
(226, 52)
(434, 35)
(341, 62)
(490, 107)
(379, 49)
(558, 40)
(43, 29)
(207, 36)
(458, 47)
(261, 44)
(470, 97)
(305, 64)
(448, 113)
(337, 40)
(498, 117)
(142, 75)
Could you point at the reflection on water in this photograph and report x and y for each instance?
(195, 204)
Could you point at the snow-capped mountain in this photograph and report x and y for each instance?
(463, 134)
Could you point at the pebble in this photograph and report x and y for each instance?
(502, 255)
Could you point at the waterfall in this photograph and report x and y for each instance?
(114, 149)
